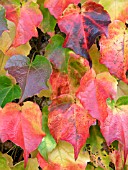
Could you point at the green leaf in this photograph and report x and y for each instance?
(57, 54)
(97, 147)
(3, 22)
(122, 101)
(45, 120)
(3, 163)
(47, 145)
(31, 165)
(49, 22)
(8, 91)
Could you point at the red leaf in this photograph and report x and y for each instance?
(82, 26)
(69, 122)
(114, 50)
(22, 125)
(115, 127)
(56, 7)
(93, 92)
(60, 84)
(26, 19)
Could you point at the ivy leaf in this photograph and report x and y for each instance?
(8, 91)
(32, 77)
(49, 22)
(83, 25)
(57, 55)
(122, 101)
(3, 60)
(26, 19)
(22, 125)
(62, 157)
(114, 51)
(93, 92)
(68, 122)
(115, 126)
(3, 22)
(95, 145)
(57, 7)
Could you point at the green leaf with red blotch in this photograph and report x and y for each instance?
(67, 121)
(26, 18)
(83, 25)
(3, 22)
(62, 157)
(114, 50)
(22, 125)
(93, 92)
(49, 22)
(115, 126)
(56, 7)
(31, 76)
(57, 55)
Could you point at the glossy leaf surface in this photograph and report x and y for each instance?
(29, 74)
(22, 125)
(82, 26)
(93, 92)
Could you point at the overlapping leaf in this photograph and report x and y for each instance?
(115, 126)
(26, 19)
(56, 7)
(82, 26)
(32, 77)
(22, 125)
(3, 22)
(8, 91)
(93, 92)
(62, 158)
(114, 50)
(69, 122)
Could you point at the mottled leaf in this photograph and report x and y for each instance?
(69, 122)
(115, 126)
(3, 60)
(62, 158)
(60, 84)
(96, 146)
(57, 55)
(26, 18)
(114, 50)
(83, 25)
(8, 91)
(56, 7)
(31, 76)
(122, 89)
(4, 162)
(93, 92)
(3, 22)
(22, 125)
(49, 22)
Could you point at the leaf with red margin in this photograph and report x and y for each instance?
(56, 7)
(60, 84)
(114, 50)
(22, 125)
(31, 76)
(93, 92)
(69, 122)
(26, 19)
(82, 26)
(115, 126)
(62, 158)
